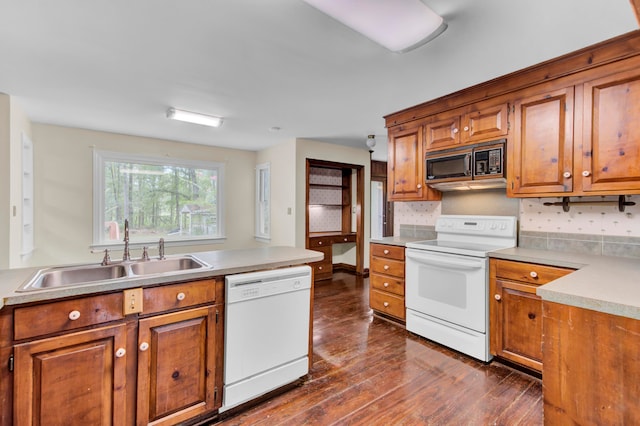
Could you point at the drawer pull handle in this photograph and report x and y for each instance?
(386, 284)
(533, 274)
(345, 238)
(120, 352)
(386, 251)
(180, 296)
(386, 267)
(74, 315)
(497, 297)
(386, 304)
(319, 243)
(144, 346)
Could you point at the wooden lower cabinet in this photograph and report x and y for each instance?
(176, 366)
(386, 280)
(73, 379)
(83, 362)
(591, 367)
(516, 311)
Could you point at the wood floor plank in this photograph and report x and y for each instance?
(368, 371)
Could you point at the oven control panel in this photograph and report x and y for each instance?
(477, 225)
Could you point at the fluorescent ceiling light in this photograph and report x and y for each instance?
(194, 117)
(398, 25)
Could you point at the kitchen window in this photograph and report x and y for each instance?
(175, 199)
(263, 201)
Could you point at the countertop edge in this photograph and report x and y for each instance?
(225, 262)
(591, 286)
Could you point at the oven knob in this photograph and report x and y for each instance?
(497, 297)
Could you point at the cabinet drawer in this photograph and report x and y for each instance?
(388, 303)
(529, 272)
(66, 315)
(319, 242)
(351, 238)
(387, 283)
(176, 296)
(387, 266)
(388, 252)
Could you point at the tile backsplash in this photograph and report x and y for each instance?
(593, 228)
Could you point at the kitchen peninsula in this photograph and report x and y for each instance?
(107, 343)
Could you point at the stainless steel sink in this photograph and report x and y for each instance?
(165, 265)
(73, 275)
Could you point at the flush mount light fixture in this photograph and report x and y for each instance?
(398, 25)
(194, 117)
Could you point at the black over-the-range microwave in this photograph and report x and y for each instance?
(473, 166)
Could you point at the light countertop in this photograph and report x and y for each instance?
(223, 262)
(600, 283)
(396, 241)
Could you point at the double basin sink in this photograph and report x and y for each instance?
(86, 274)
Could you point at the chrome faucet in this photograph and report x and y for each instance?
(161, 248)
(126, 256)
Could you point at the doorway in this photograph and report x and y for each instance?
(381, 209)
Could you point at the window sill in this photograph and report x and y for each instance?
(167, 243)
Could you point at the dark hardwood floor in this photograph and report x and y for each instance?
(367, 371)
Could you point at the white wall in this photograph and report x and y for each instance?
(64, 190)
(5, 167)
(283, 197)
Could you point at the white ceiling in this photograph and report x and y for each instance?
(117, 65)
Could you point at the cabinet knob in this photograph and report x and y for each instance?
(419, 186)
(466, 128)
(74, 315)
(345, 238)
(120, 352)
(144, 346)
(386, 304)
(497, 297)
(385, 251)
(386, 267)
(567, 175)
(180, 296)
(386, 284)
(586, 173)
(455, 130)
(319, 243)
(320, 268)
(533, 274)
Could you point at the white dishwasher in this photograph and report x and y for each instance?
(266, 332)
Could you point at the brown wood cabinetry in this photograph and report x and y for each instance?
(386, 281)
(540, 157)
(581, 139)
(405, 165)
(591, 367)
(479, 122)
(516, 310)
(77, 378)
(323, 269)
(83, 361)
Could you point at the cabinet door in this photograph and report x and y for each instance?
(405, 166)
(443, 132)
(518, 332)
(486, 123)
(611, 131)
(74, 379)
(540, 159)
(176, 366)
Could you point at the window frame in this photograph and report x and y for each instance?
(102, 156)
(259, 235)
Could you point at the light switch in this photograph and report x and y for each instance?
(132, 303)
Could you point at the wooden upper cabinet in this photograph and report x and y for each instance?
(405, 166)
(443, 131)
(476, 123)
(610, 159)
(540, 157)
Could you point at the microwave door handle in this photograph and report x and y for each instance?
(467, 159)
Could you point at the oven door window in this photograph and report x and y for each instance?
(452, 288)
